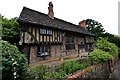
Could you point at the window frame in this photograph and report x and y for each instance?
(70, 43)
(43, 50)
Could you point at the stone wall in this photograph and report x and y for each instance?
(95, 71)
(101, 71)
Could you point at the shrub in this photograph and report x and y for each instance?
(43, 72)
(13, 62)
(119, 50)
(55, 75)
(106, 46)
(71, 66)
(99, 56)
(39, 72)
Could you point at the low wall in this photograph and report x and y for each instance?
(95, 71)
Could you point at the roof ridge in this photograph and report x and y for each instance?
(47, 15)
(36, 17)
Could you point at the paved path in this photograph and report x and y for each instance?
(116, 73)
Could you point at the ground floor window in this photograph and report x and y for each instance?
(70, 43)
(43, 50)
(81, 46)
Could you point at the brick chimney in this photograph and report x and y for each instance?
(82, 24)
(50, 10)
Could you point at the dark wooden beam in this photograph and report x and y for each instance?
(36, 33)
(46, 35)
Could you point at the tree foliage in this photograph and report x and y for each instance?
(95, 27)
(10, 31)
(13, 62)
(114, 39)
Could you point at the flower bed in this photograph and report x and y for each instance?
(68, 67)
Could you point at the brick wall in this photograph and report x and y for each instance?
(56, 51)
(33, 54)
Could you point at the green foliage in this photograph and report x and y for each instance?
(106, 46)
(10, 31)
(114, 39)
(119, 50)
(13, 62)
(55, 75)
(95, 27)
(43, 72)
(39, 72)
(71, 66)
(99, 56)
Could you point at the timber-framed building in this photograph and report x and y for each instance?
(45, 37)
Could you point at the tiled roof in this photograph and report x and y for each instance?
(35, 17)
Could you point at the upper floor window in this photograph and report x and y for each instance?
(46, 31)
(49, 32)
(42, 31)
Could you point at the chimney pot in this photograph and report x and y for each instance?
(50, 10)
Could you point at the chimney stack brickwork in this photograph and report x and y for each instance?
(50, 10)
(82, 24)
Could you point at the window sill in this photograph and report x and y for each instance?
(42, 54)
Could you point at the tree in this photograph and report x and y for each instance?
(114, 39)
(10, 31)
(95, 27)
(13, 62)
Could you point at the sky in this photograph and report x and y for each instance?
(74, 11)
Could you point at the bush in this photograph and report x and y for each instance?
(106, 46)
(43, 72)
(71, 66)
(119, 50)
(39, 72)
(99, 56)
(13, 62)
(55, 75)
